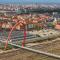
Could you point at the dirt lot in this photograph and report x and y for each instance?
(48, 46)
(24, 55)
(21, 54)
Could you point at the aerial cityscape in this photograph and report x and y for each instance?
(29, 29)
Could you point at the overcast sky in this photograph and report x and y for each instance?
(29, 1)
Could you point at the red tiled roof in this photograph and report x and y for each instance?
(57, 26)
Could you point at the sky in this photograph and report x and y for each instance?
(29, 1)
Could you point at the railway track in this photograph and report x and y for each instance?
(18, 36)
